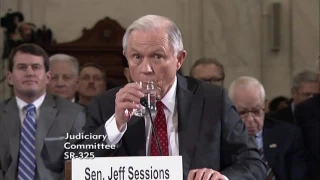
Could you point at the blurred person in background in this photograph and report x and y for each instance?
(209, 70)
(92, 82)
(307, 115)
(64, 70)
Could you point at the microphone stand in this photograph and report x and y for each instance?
(144, 103)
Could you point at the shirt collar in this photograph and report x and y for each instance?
(169, 100)
(259, 134)
(292, 107)
(37, 103)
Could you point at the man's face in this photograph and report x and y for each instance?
(304, 92)
(151, 57)
(64, 80)
(28, 77)
(209, 73)
(91, 82)
(250, 107)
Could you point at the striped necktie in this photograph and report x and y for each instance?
(270, 175)
(27, 159)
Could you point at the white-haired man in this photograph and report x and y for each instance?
(307, 115)
(196, 119)
(64, 70)
(279, 142)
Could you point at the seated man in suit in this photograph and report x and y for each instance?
(209, 70)
(279, 142)
(64, 76)
(201, 123)
(308, 118)
(33, 123)
(304, 86)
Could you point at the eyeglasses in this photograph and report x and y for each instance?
(255, 112)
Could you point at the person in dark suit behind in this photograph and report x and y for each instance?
(304, 86)
(33, 123)
(308, 118)
(280, 143)
(202, 124)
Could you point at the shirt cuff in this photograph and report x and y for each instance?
(112, 131)
(225, 178)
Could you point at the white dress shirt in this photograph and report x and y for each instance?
(170, 110)
(21, 104)
(259, 140)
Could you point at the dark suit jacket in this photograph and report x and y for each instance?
(288, 158)
(285, 115)
(308, 118)
(57, 117)
(211, 134)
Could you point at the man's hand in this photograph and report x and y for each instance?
(127, 99)
(205, 174)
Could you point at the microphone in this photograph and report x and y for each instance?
(144, 102)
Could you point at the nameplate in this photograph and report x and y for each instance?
(128, 168)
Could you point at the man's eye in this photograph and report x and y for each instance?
(137, 56)
(242, 113)
(157, 56)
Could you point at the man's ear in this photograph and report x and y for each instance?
(181, 57)
(9, 78)
(48, 76)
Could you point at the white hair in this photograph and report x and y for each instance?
(66, 58)
(152, 23)
(246, 82)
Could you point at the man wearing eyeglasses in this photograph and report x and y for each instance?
(209, 70)
(280, 144)
(304, 86)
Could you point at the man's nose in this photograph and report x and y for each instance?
(250, 117)
(29, 71)
(146, 67)
(60, 82)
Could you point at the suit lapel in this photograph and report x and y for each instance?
(12, 124)
(135, 136)
(189, 116)
(269, 140)
(47, 116)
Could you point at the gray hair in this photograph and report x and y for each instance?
(66, 58)
(206, 61)
(305, 76)
(153, 23)
(246, 82)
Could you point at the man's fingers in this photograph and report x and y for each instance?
(216, 176)
(128, 97)
(200, 174)
(204, 174)
(127, 105)
(192, 174)
(208, 174)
